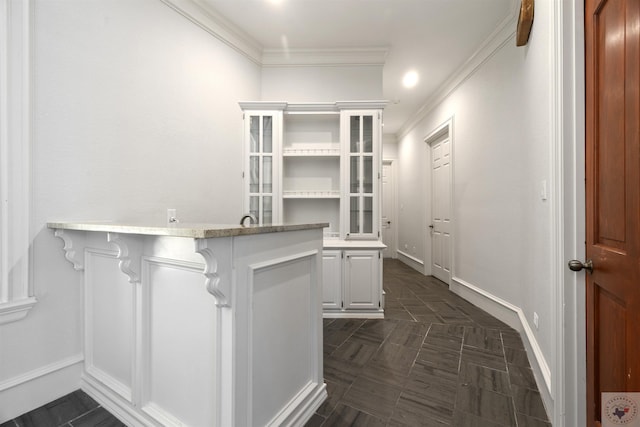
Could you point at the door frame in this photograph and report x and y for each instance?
(394, 205)
(444, 128)
(567, 114)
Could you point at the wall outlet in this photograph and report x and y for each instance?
(171, 216)
(536, 319)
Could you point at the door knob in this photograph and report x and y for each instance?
(575, 265)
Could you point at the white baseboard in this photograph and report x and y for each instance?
(379, 314)
(514, 317)
(411, 261)
(113, 403)
(301, 408)
(35, 388)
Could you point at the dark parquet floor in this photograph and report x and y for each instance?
(435, 360)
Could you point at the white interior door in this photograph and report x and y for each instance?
(388, 216)
(441, 208)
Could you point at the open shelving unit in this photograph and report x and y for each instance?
(320, 163)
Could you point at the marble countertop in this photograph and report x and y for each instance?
(192, 230)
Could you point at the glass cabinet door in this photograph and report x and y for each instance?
(362, 175)
(261, 157)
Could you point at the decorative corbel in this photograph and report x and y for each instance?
(129, 254)
(73, 247)
(220, 289)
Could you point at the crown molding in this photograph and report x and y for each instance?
(205, 17)
(312, 107)
(219, 27)
(324, 57)
(503, 33)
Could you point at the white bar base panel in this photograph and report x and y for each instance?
(223, 331)
(514, 317)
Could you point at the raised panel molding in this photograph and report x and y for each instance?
(92, 281)
(314, 390)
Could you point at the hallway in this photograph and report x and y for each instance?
(435, 360)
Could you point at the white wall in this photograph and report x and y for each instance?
(502, 144)
(135, 111)
(389, 147)
(321, 83)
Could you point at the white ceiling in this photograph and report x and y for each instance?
(433, 37)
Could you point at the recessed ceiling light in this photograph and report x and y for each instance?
(410, 79)
(275, 2)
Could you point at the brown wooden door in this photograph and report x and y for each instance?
(612, 37)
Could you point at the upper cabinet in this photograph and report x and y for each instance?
(361, 181)
(315, 162)
(263, 132)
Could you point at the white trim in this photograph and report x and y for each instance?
(573, 360)
(301, 408)
(363, 314)
(161, 416)
(393, 249)
(113, 403)
(413, 260)
(15, 159)
(4, 149)
(41, 372)
(16, 310)
(205, 17)
(324, 57)
(556, 157)
(514, 317)
(219, 27)
(503, 34)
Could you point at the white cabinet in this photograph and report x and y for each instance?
(262, 163)
(321, 162)
(362, 180)
(352, 280)
(361, 268)
(332, 280)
